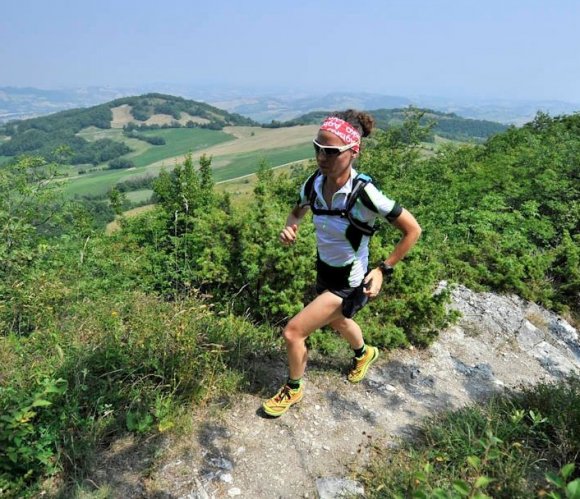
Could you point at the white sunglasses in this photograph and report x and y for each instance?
(331, 150)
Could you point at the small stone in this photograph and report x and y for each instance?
(333, 487)
(226, 477)
(317, 407)
(234, 491)
(221, 463)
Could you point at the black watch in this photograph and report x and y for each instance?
(386, 269)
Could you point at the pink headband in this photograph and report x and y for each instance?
(343, 130)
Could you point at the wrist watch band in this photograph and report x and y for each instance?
(386, 269)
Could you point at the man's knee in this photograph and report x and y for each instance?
(293, 333)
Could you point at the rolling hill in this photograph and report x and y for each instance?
(132, 138)
(44, 134)
(447, 125)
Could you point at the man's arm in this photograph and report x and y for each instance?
(411, 230)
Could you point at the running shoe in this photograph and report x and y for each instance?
(283, 400)
(361, 366)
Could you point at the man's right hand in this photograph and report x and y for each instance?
(288, 235)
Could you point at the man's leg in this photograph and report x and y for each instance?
(324, 309)
(349, 330)
(364, 355)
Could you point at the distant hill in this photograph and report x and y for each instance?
(17, 103)
(287, 107)
(44, 134)
(281, 105)
(447, 125)
(284, 108)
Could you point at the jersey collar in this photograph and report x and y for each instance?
(345, 189)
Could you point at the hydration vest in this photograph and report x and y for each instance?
(358, 192)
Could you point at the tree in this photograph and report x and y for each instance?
(118, 200)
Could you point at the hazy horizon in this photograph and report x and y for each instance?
(519, 50)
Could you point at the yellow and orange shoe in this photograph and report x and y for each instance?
(283, 400)
(361, 366)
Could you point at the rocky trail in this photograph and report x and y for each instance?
(313, 450)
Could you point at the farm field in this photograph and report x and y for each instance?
(139, 196)
(93, 134)
(235, 152)
(241, 189)
(178, 141)
(244, 164)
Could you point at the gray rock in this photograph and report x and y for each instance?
(334, 488)
(566, 333)
(550, 358)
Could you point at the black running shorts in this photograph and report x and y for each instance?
(353, 299)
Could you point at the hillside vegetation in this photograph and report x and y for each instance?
(46, 134)
(447, 125)
(105, 334)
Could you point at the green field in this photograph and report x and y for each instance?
(98, 182)
(178, 141)
(239, 165)
(225, 168)
(5, 159)
(139, 196)
(93, 134)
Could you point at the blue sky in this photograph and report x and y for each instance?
(527, 49)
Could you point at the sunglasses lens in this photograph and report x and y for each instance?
(327, 151)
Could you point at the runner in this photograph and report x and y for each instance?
(343, 230)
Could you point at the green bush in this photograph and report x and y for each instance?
(519, 445)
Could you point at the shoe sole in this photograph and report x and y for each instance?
(366, 368)
(270, 412)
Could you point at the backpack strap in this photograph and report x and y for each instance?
(309, 191)
(358, 191)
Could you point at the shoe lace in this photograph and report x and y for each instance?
(284, 393)
(355, 365)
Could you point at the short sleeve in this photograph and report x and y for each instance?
(381, 204)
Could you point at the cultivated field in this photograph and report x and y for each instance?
(235, 151)
(178, 142)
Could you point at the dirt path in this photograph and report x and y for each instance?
(501, 341)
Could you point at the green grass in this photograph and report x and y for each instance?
(5, 159)
(178, 141)
(93, 134)
(98, 182)
(224, 168)
(233, 166)
(514, 446)
(139, 196)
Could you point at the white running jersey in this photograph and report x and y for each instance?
(336, 247)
